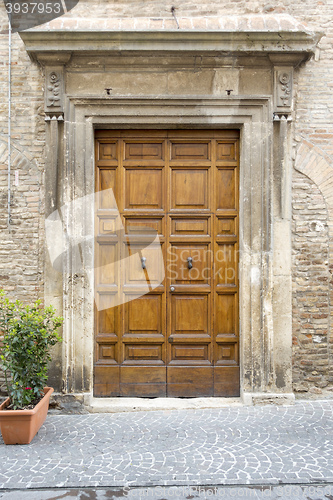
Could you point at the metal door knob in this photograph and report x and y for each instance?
(172, 288)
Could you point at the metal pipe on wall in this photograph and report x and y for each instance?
(9, 117)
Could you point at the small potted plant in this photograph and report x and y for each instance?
(28, 332)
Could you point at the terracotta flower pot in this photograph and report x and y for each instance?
(21, 426)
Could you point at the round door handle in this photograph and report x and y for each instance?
(172, 288)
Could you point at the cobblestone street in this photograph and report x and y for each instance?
(267, 445)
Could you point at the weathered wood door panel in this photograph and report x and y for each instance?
(176, 335)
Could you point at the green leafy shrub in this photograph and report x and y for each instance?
(28, 334)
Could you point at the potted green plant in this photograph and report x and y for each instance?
(28, 333)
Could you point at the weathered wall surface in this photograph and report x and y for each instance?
(312, 237)
(20, 266)
(311, 287)
(22, 247)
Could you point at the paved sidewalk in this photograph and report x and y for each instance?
(266, 445)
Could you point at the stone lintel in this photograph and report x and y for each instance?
(44, 44)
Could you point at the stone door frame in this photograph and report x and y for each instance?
(265, 261)
(265, 183)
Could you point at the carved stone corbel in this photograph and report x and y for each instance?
(283, 90)
(283, 73)
(54, 92)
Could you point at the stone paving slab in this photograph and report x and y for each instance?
(267, 445)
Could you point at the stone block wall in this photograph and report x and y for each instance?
(22, 245)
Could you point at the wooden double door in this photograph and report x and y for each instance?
(178, 337)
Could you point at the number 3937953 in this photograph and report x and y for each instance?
(25, 14)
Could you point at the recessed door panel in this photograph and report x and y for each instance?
(107, 150)
(143, 150)
(226, 150)
(189, 189)
(107, 188)
(226, 259)
(107, 271)
(189, 352)
(143, 188)
(144, 264)
(190, 264)
(226, 189)
(106, 314)
(106, 352)
(226, 314)
(226, 227)
(227, 353)
(143, 352)
(144, 226)
(189, 314)
(190, 226)
(192, 151)
(144, 315)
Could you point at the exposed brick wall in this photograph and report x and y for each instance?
(20, 265)
(21, 246)
(312, 212)
(21, 249)
(313, 260)
(311, 287)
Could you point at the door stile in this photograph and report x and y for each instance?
(213, 267)
(168, 265)
(139, 378)
(190, 377)
(106, 355)
(226, 370)
(122, 242)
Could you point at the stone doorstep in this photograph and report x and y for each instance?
(86, 403)
(115, 405)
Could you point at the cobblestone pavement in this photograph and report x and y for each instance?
(266, 445)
